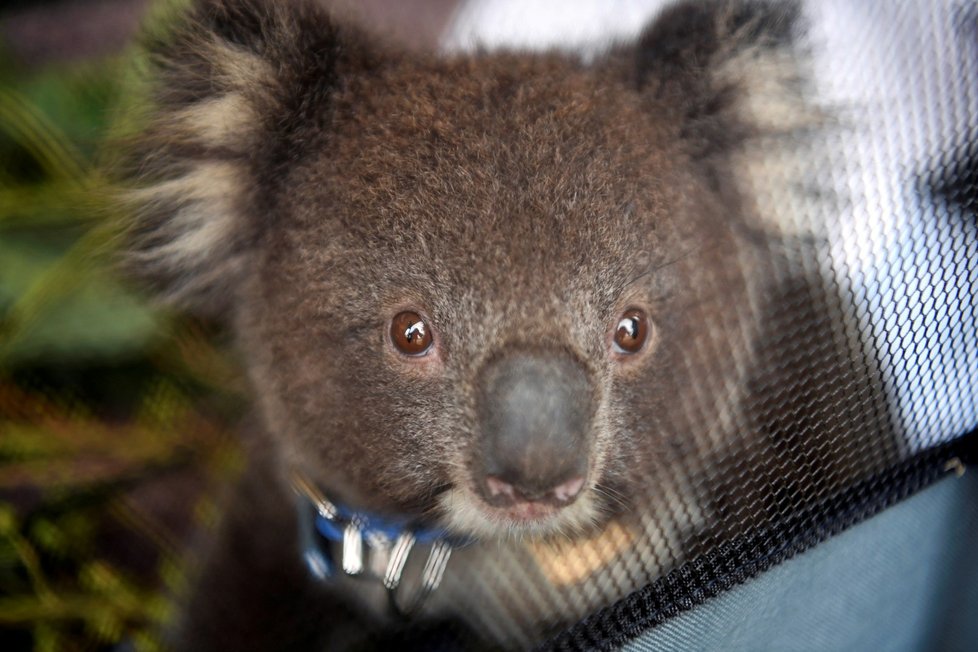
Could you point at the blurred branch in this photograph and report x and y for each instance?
(27, 555)
(28, 126)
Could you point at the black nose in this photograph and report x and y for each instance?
(535, 413)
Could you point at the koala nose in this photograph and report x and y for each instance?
(535, 414)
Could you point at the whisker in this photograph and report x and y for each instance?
(672, 261)
(614, 496)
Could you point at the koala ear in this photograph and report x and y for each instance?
(730, 71)
(238, 89)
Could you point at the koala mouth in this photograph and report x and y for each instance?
(499, 510)
(522, 506)
(545, 496)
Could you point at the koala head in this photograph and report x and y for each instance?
(476, 289)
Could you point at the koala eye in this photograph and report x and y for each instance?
(632, 331)
(410, 333)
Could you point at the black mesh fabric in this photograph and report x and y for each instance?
(740, 559)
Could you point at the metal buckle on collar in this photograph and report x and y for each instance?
(356, 535)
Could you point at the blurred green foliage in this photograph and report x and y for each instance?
(115, 415)
(56, 296)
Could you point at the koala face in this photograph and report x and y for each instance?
(528, 220)
(473, 290)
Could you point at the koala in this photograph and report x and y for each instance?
(510, 296)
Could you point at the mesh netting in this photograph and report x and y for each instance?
(867, 360)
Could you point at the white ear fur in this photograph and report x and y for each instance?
(738, 71)
(218, 112)
(778, 106)
(193, 246)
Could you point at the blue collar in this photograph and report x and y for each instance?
(375, 527)
(358, 533)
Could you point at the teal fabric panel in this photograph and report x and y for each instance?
(904, 580)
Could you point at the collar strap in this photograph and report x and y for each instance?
(357, 532)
